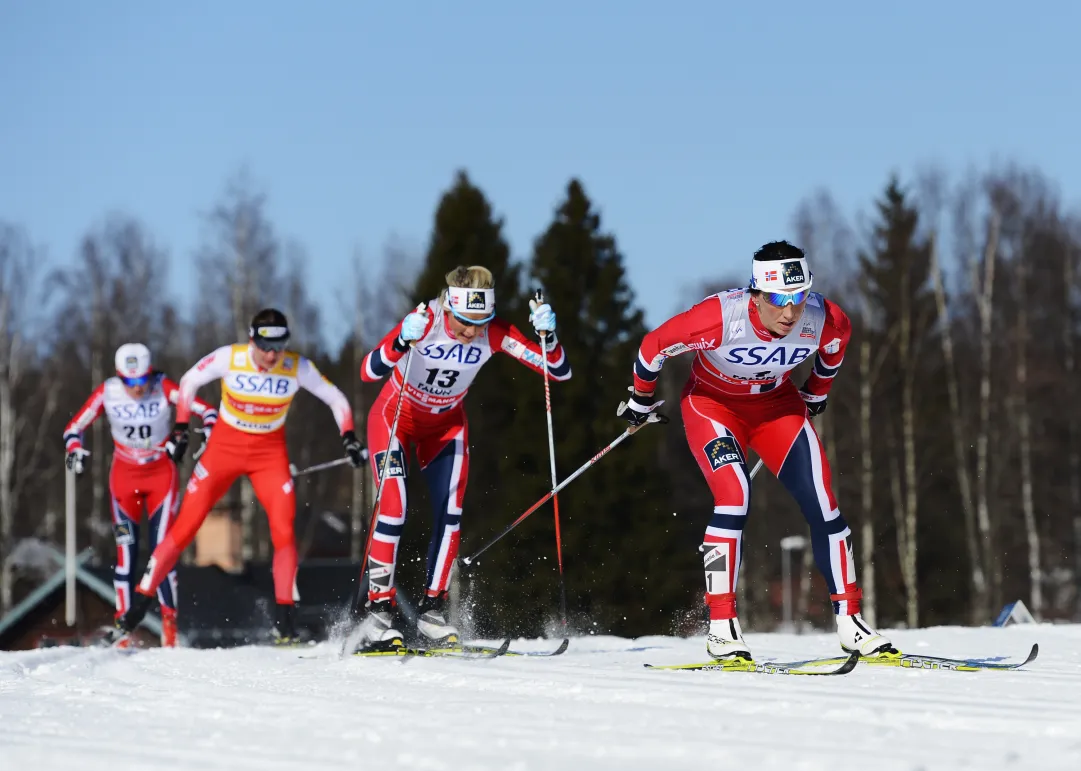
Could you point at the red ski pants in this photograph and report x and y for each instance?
(230, 454)
(442, 446)
(775, 425)
(135, 488)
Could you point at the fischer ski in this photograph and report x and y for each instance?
(808, 667)
(916, 661)
(544, 654)
(450, 652)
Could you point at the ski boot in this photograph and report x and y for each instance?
(432, 624)
(129, 622)
(115, 636)
(725, 640)
(168, 627)
(857, 635)
(378, 629)
(284, 632)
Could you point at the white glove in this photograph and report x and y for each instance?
(413, 326)
(74, 459)
(542, 316)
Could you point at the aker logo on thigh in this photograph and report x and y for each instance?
(723, 451)
(395, 466)
(124, 536)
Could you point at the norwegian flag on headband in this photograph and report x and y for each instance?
(771, 275)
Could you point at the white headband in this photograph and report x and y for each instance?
(270, 333)
(781, 275)
(466, 300)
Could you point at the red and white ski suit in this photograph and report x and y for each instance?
(250, 440)
(142, 477)
(740, 396)
(433, 420)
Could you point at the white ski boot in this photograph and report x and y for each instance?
(725, 640)
(432, 624)
(378, 631)
(857, 635)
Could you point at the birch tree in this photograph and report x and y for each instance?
(238, 271)
(932, 194)
(896, 274)
(982, 281)
(17, 272)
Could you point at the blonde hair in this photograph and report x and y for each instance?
(473, 277)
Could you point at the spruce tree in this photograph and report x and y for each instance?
(466, 232)
(621, 544)
(910, 399)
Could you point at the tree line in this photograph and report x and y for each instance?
(953, 440)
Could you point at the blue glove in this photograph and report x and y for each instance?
(542, 316)
(413, 326)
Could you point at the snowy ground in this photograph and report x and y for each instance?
(593, 707)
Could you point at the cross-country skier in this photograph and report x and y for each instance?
(746, 342)
(452, 338)
(259, 380)
(143, 475)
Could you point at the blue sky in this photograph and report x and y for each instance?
(696, 127)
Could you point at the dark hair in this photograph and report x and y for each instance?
(779, 250)
(269, 320)
(269, 317)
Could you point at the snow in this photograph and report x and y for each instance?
(594, 707)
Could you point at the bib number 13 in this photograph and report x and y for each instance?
(443, 378)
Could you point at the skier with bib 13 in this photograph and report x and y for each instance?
(746, 343)
(451, 338)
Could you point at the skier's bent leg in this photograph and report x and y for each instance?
(205, 488)
(193, 512)
(162, 504)
(806, 474)
(720, 457)
(446, 474)
(126, 510)
(378, 626)
(273, 486)
(389, 522)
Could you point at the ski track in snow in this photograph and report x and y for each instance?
(593, 707)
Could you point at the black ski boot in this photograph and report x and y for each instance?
(285, 630)
(130, 621)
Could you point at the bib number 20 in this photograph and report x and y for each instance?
(137, 432)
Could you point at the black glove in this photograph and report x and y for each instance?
(177, 443)
(639, 409)
(816, 408)
(357, 454)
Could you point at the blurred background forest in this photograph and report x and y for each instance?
(954, 443)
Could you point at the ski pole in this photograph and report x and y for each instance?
(471, 559)
(538, 300)
(386, 463)
(295, 472)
